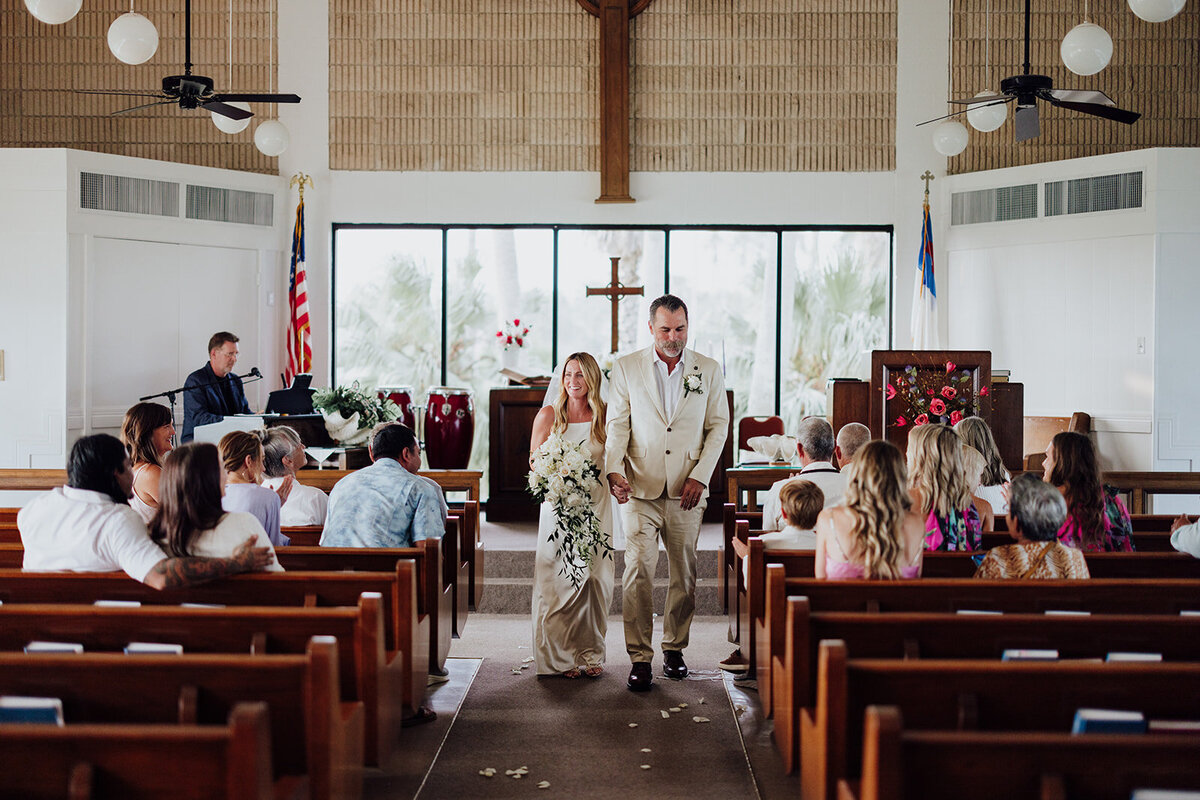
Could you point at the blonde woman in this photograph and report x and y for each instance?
(973, 466)
(940, 490)
(874, 533)
(242, 460)
(569, 623)
(976, 433)
(146, 432)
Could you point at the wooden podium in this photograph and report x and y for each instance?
(905, 383)
(511, 413)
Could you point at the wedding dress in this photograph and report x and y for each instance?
(569, 624)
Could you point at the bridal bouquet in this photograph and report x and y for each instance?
(565, 476)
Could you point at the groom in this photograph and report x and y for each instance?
(667, 424)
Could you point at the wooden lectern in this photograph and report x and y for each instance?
(915, 387)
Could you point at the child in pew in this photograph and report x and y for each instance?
(190, 520)
(801, 503)
(876, 533)
(1035, 513)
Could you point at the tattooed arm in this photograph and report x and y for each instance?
(171, 573)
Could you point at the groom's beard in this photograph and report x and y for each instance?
(673, 349)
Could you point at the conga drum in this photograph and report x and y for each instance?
(403, 397)
(449, 427)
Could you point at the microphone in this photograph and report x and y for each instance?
(254, 371)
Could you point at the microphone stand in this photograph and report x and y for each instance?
(253, 374)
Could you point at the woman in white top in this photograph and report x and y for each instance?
(283, 454)
(190, 520)
(976, 433)
(146, 432)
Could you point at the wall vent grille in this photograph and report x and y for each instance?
(101, 192)
(994, 205)
(230, 205)
(1101, 193)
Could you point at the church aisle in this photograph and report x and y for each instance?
(576, 734)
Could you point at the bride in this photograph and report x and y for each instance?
(569, 623)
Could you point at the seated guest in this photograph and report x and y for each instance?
(88, 526)
(939, 489)
(1096, 517)
(875, 533)
(242, 459)
(850, 440)
(973, 465)
(411, 461)
(146, 433)
(190, 520)
(815, 444)
(384, 505)
(975, 432)
(283, 455)
(1185, 536)
(1035, 514)
(212, 392)
(802, 502)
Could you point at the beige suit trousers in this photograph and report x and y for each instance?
(647, 521)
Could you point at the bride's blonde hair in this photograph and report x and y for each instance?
(591, 373)
(877, 498)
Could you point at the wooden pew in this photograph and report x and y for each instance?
(145, 762)
(969, 695)
(298, 590)
(956, 636)
(950, 765)
(367, 672)
(314, 736)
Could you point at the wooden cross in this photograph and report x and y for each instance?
(615, 16)
(615, 291)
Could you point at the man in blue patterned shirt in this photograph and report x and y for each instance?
(385, 505)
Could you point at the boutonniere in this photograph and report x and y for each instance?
(692, 384)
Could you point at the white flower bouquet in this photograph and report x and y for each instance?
(564, 475)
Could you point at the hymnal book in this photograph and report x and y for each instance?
(1133, 657)
(117, 604)
(53, 647)
(1106, 720)
(1001, 375)
(1029, 655)
(154, 649)
(1068, 613)
(1189, 613)
(45, 710)
(1164, 794)
(1190, 727)
(526, 380)
(201, 605)
(976, 611)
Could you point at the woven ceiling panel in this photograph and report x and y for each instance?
(1154, 71)
(35, 57)
(500, 85)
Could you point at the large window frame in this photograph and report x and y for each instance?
(445, 228)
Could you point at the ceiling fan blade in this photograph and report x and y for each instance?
(232, 112)
(259, 98)
(144, 105)
(994, 100)
(987, 98)
(1026, 120)
(1077, 96)
(1105, 111)
(116, 92)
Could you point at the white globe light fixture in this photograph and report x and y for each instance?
(950, 138)
(227, 125)
(1086, 49)
(132, 38)
(54, 12)
(985, 117)
(272, 138)
(1149, 10)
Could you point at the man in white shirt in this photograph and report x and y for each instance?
(815, 443)
(88, 526)
(1185, 535)
(850, 440)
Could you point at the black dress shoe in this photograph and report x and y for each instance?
(673, 666)
(640, 677)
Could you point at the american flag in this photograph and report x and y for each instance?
(299, 337)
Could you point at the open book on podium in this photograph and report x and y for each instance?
(515, 377)
(237, 422)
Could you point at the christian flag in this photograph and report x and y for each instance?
(924, 308)
(299, 337)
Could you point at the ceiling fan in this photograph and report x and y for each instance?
(195, 91)
(1026, 89)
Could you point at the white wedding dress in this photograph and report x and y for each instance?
(569, 624)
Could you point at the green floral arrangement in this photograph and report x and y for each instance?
(365, 410)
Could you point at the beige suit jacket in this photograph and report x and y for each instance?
(651, 451)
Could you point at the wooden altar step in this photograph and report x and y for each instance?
(510, 583)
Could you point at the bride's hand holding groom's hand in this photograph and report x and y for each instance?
(693, 490)
(619, 487)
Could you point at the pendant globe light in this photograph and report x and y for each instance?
(1087, 48)
(54, 12)
(950, 138)
(271, 137)
(132, 38)
(225, 124)
(987, 117)
(1149, 10)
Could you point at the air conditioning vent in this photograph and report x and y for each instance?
(994, 205)
(1101, 193)
(101, 192)
(230, 205)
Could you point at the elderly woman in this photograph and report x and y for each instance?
(283, 454)
(242, 460)
(146, 432)
(1036, 512)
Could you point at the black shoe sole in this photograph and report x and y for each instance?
(633, 688)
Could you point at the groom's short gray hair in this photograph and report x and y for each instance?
(670, 302)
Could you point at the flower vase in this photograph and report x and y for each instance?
(511, 359)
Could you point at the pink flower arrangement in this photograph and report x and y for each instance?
(922, 395)
(513, 335)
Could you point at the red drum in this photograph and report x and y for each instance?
(449, 427)
(401, 396)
